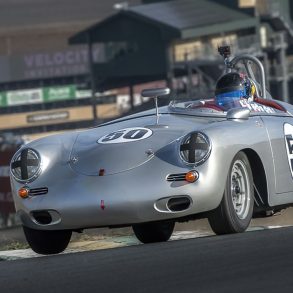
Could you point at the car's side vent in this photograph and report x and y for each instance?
(176, 177)
(38, 191)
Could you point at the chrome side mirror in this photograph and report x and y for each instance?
(155, 94)
(238, 114)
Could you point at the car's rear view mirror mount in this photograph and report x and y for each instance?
(155, 94)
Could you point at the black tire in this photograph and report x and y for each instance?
(225, 219)
(47, 242)
(153, 232)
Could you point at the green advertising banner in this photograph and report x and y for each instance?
(42, 95)
(3, 100)
(59, 93)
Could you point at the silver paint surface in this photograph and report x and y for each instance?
(134, 182)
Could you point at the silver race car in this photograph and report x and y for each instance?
(228, 158)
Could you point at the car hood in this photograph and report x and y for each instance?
(121, 146)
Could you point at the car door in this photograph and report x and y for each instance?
(280, 133)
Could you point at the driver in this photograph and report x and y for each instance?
(231, 88)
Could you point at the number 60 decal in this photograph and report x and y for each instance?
(126, 135)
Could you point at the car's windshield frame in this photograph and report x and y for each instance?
(202, 111)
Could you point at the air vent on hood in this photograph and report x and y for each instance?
(38, 191)
(176, 177)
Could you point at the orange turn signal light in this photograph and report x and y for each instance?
(23, 192)
(191, 176)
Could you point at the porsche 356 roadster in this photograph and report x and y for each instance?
(227, 158)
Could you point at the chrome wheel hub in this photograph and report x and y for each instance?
(240, 189)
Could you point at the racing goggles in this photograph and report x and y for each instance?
(230, 97)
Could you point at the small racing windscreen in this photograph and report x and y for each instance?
(205, 106)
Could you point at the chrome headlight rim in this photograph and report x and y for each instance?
(17, 158)
(206, 156)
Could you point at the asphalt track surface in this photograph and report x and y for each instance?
(260, 261)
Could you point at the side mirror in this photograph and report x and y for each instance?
(154, 93)
(238, 114)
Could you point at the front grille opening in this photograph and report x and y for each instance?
(178, 204)
(176, 177)
(42, 217)
(38, 191)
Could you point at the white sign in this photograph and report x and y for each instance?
(36, 118)
(126, 135)
(24, 97)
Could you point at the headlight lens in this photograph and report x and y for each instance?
(195, 148)
(25, 165)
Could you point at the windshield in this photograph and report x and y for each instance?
(201, 107)
(219, 107)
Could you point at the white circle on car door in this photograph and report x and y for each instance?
(288, 132)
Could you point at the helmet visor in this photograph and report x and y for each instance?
(230, 99)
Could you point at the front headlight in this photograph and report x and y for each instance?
(25, 165)
(195, 148)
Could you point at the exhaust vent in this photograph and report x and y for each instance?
(178, 204)
(42, 217)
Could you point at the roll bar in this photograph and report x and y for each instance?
(246, 59)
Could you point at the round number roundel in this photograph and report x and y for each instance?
(126, 135)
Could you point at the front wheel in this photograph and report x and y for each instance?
(47, 242)
(153, 232)
(234, 213)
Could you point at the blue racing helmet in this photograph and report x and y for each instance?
(230, 88)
